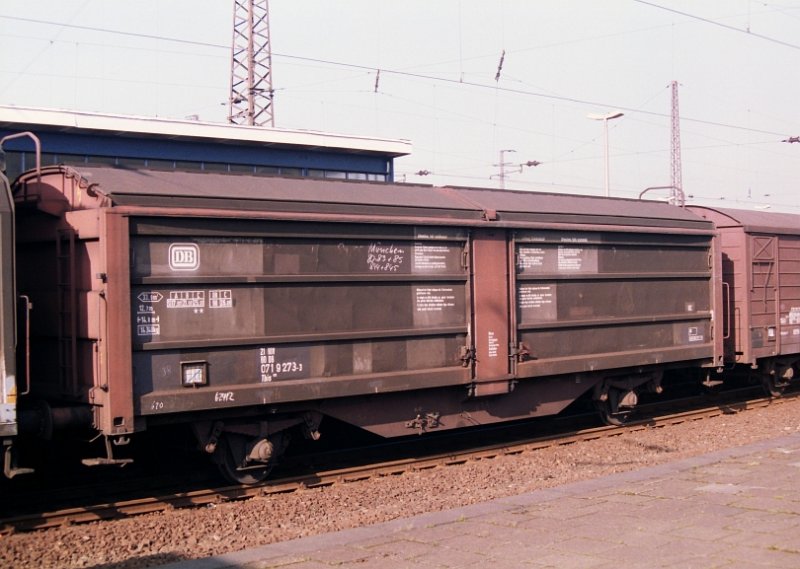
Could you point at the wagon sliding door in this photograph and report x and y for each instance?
(244, 313)
(774, 295)
(764, 280)
(593, 301)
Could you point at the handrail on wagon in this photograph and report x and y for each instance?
(680, 199)
(36, 142)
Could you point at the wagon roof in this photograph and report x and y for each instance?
(516, 205)
(178, 189)
(751, 221)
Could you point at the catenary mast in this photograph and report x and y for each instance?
(677, 195)
(251, 65)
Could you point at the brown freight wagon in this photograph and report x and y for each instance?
(250, 306)
(761, 295)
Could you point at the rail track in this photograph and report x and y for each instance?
(204, 497)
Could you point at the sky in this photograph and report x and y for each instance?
(736, 63)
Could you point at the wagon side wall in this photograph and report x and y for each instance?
(599, 300)
(229, 315)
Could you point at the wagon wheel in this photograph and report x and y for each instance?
(775, 378)
(231, 457)
(773, 385)
(616, 407)
(609, 416)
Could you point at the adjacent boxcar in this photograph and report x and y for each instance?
(8, 379)
(761, 274)
(253, 306)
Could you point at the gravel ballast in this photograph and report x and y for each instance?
(155, 539)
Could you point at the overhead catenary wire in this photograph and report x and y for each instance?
(721, 25)
(409, 74)
(421, 79)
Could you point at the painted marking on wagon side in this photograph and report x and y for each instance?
(538, 302)
(434, 299)
(220, 298)
(148, 330)
(385, 258)
(430, 257)
(186, 299)
(184, 257)
(695, 335)
(150, 297)
(494, 344)
(283, 363)
(536, 296)
(570, 259)
(224, 397)
(145, 309)
(531, 258)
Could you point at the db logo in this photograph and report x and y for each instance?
(184, 257)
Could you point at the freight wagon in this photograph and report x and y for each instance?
(252, 307)
(8, 380)
(761, 292)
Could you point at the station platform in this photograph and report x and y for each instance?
(734, 509)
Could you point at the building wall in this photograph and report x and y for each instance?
(76, 148)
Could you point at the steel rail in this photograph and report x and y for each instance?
(205, 497)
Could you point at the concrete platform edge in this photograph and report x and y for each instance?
(300, 546)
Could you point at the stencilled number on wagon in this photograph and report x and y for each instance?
(286, 363)
(281, 367)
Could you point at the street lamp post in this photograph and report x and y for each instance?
(605, 118)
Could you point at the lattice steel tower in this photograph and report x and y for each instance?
(251, 65)
(677, 195)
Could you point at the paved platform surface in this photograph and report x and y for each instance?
(734, 509)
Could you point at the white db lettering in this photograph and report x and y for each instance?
(184, 257)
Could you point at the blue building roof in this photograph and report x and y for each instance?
(70, 135)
